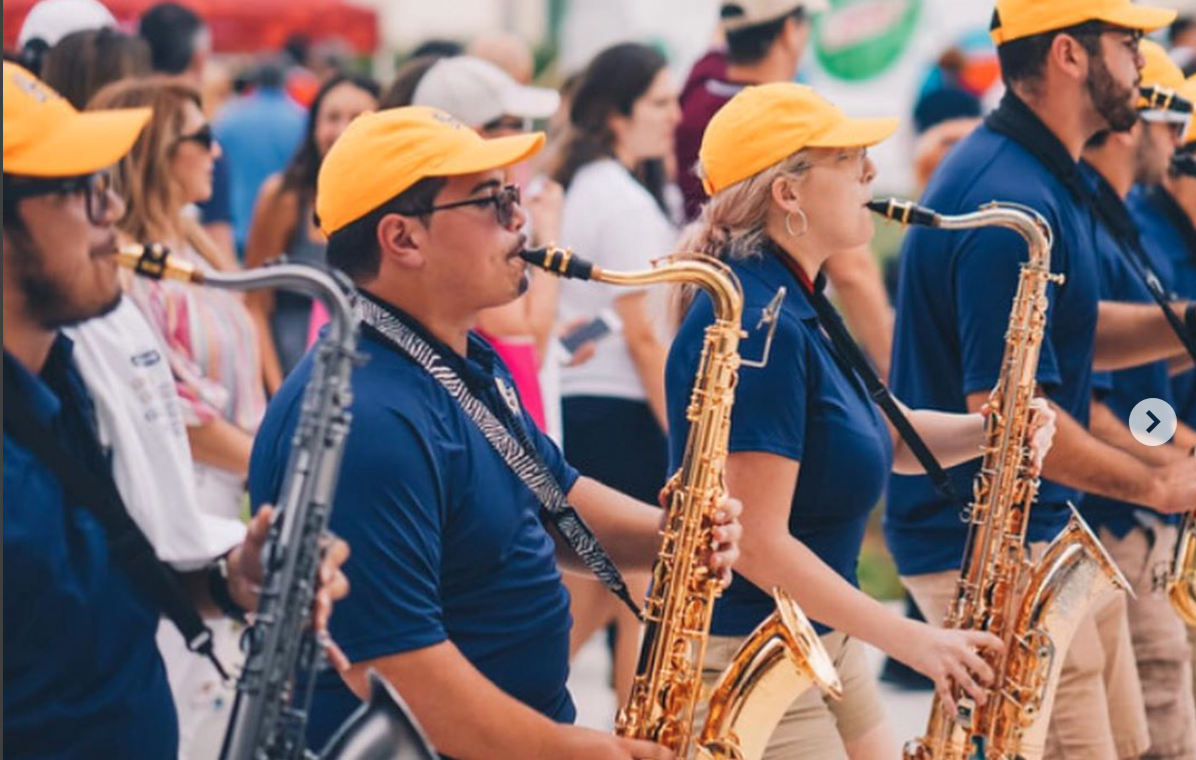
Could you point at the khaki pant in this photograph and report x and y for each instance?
(813, 727)
(1098, 712)
(1160, 641)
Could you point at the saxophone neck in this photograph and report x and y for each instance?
(699, 270)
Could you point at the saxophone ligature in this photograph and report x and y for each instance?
(1034, 607)
(269, 715)
(783, 657)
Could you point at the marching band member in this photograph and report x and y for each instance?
(457, 596)
(1138, 538)
(83, 677)
(1072, 69)
(809, 454)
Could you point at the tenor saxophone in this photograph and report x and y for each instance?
(784, 656)
(268, 720)
(1033, 607)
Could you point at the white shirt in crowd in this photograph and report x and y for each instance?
(612, 220)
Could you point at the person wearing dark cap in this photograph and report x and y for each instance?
(457, 596)
(83, 677)
(1072, 68)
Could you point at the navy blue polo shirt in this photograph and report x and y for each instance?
(1168, 234)
(1121, 281)
(955, 292)
(82, 674)
(447, 542)
(808, 405)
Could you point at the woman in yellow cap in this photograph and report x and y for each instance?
(809, 453)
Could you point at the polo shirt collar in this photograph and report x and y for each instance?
(775, 271)
(479, 361)
(35, 391)
(1017, 121)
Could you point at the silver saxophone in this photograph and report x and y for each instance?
(268, 721)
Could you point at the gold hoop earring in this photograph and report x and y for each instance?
(805, 224)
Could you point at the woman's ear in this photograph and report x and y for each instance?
(400, 239)
(784, 193)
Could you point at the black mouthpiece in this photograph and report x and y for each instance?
(559, 261)
(906, 212)
(1161, 98)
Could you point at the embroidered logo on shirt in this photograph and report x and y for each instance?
(510, 396)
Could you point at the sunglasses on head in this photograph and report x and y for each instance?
(202, 137)
(97, 186)
(505, 200)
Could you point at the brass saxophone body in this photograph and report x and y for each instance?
(1033, 607)
(1180, 580)
(784, 656)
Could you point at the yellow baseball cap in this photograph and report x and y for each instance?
(1188, 91)
(1163, 79)
(381, 154)
(1023, 18)
(767, 123)
(45, 136)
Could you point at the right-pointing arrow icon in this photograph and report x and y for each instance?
(1154, 421)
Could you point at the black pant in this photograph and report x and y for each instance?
(617, 442)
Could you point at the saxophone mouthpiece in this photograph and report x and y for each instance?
(560, 261)
(153, 260)
(905, 212)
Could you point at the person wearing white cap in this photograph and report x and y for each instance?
(490, 100)
(51, 20)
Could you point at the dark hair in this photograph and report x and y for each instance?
(171, 30)
(83, 62)
(354, 250)
(402, 90)
(31, 56)
(1098, 140)
(1023, 60)
(1182, 23)
(612, 83)
(296, 47)
(752, 43)
(300, 174)
(439, 48)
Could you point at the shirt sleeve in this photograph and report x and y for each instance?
(564, 472)
(987, 268)
(390, 508)
(635, 230)
(167, 309)
(771, 402)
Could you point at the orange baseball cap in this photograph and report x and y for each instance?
(767, 123)
(381, 154)
(1023, 18)
(1163, 79)
(45, 136)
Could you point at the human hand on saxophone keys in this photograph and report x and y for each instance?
(1041, 433)
(725, 533)
(246, 572)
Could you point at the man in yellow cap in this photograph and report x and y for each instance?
(448, 489)
(1072, 68)
(82, 674)
(1138, 538)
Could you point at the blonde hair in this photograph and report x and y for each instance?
(143, 177)
(733, 222)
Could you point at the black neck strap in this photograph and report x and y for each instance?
(879, 393)
(130, 550)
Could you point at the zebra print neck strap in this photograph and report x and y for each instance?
(522, 458)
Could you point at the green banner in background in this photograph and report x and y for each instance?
(856, 40)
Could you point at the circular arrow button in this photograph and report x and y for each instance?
(1153, 422)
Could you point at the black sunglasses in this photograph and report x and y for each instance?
(505, 200)
(97, 186)
(202, 137)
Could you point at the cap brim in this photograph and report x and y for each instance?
(87, 142)
(855, 133)
(496, 153)
(531, 102)
(1141, 17)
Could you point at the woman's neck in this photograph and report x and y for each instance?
(624, 157)
(808, 255)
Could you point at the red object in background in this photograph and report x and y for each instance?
(244, 25)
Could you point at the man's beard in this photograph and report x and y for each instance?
(1115, 104)
(47, 302)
